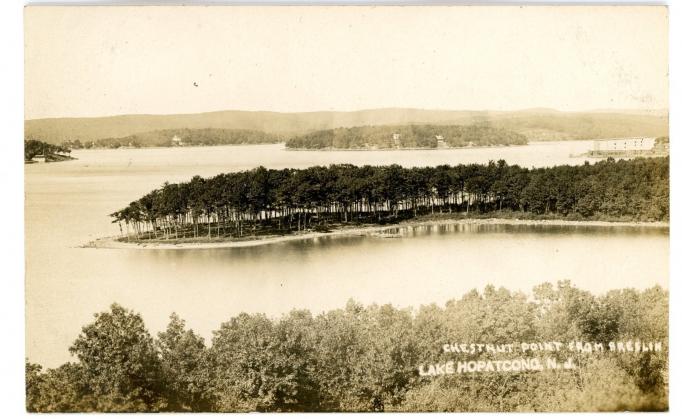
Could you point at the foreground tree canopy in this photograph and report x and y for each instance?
(407, 136)
(282, 201)
(366, 358)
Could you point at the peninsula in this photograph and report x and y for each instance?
(38, 151)
(266, 204)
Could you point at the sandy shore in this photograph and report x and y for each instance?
(114, 243)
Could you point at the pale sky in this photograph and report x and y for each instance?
(98, 61)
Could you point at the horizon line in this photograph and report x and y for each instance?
(536, 109)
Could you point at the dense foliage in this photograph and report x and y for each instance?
(406, 136)
(33, 148)
(366, 358)
(662, 145)
(282, 201)
(536, 124)
(181, 137)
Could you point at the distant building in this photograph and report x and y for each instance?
(624, 144)
(622, 147)
(176, 141)
(396, 139)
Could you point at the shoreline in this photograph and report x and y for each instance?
(409, 148)
(283, 144)
(112, 242)
(533, 142)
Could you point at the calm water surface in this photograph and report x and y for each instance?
(67, 205)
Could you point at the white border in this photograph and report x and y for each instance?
(12, 197)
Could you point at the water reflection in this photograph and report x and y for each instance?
(67, 205)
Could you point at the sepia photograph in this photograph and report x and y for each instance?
(316, 208)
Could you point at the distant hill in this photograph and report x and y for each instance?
(579, 126)
(536, 124)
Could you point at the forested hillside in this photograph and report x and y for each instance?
(559, 126)
(406, 136)
(181, 137)
(536, 124)
(367, 358)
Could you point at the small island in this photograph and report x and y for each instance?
(38, 151)
(385, 137)
(265, 204)
(406, 137)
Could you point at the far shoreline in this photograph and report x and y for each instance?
(412, 148)
(283, 144)
(202, 243)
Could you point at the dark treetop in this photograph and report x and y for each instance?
(34, 148)
(366, 358)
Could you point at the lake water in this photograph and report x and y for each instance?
(67, 205)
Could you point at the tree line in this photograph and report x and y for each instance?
(51, 152)
(366, 358)
(181, 137)
(289, 200)
(364, 137)
(406, 136)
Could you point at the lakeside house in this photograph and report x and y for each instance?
(176, 141)
(396, 140)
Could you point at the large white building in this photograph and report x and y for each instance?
(624, 144)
